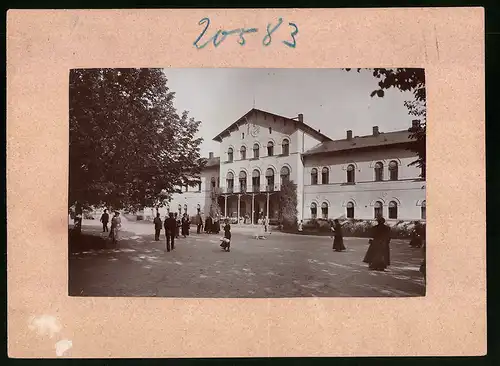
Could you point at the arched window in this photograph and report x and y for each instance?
(314, 210)
(256, 180)
(270, 130)
(324, 176)
(350, 174)
(230, 154)
(243, 181)
(212, 181)
(199, 186)
(393, 170)
(314, 176)
(256, 151)
(185, 208)
(324, 210)
(378, 209)
(230, 182)
(285, 174)
(270, 148)
(393, 210)
(423, 214)
(350, 210)
(285, 147)
(243, 153)
(379, 172)
(270, 179)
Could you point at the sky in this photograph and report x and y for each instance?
(332, 100)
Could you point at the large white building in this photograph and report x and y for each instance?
(356, 177)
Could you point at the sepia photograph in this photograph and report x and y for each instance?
(247, 183)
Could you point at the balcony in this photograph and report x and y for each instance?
(264, 188)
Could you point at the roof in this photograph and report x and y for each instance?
(300, 125)
(362, 142)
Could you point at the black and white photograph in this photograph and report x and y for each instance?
(247, 183)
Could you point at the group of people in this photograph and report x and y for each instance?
(211, 225)
(173, 228)
(378, 255)
(116, 223)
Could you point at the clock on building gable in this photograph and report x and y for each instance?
(255, 130)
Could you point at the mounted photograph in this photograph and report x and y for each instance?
(247, 183)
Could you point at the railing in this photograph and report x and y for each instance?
(264, 188)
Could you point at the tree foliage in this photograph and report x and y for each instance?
(288, 206)
(412, 80)
(128, 146)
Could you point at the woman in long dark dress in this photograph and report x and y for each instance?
(226, 245)
(338, 241)
(378, 254)
(185, 225)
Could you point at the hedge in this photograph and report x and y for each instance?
(361, 228)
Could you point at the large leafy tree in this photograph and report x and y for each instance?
(128, 146)
(288, 206)
(412, 80)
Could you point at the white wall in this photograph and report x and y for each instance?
(408, 191)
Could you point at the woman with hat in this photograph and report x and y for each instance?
(378, 254)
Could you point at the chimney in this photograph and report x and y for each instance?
(210, 155)
(375, 131)
(415, 123)
(301, 118)
(349, 134)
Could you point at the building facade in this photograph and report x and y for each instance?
(356, 177)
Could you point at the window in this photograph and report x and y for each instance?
(350, 210)
(393, 170)
(324, 176)
(186, 187)
(243, 135)
(324, 210)
(379, 172)
(422, 211)
(285, 147)
(314, 176)
(378, 209)
(270, 148)
(256, 180)
(393, 210)
(230, 182)
(243, 153)
(199, 186)
(285, 174)
(212, 181)
(185, 208)
(314, 210)
(243, 181)
(230, 154)
(270, 130)
(256, 151)
(350, 174)
(270, 179)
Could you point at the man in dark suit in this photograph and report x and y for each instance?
(170, 231)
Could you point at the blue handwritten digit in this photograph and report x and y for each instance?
(269, 32)
(204, 20)
(242, 32)
(224, 35)
(293, 34)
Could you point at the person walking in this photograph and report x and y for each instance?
(199, 223)
(185, 225)
(158, 223)
(266, 224)
(170, 230)
(178, 225)
(116, 224)
(301, 226)
(338, 241)
(378, 254)
(105, 220)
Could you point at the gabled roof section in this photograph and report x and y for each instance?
(362, 142)
(215, 161)
(300, 125)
